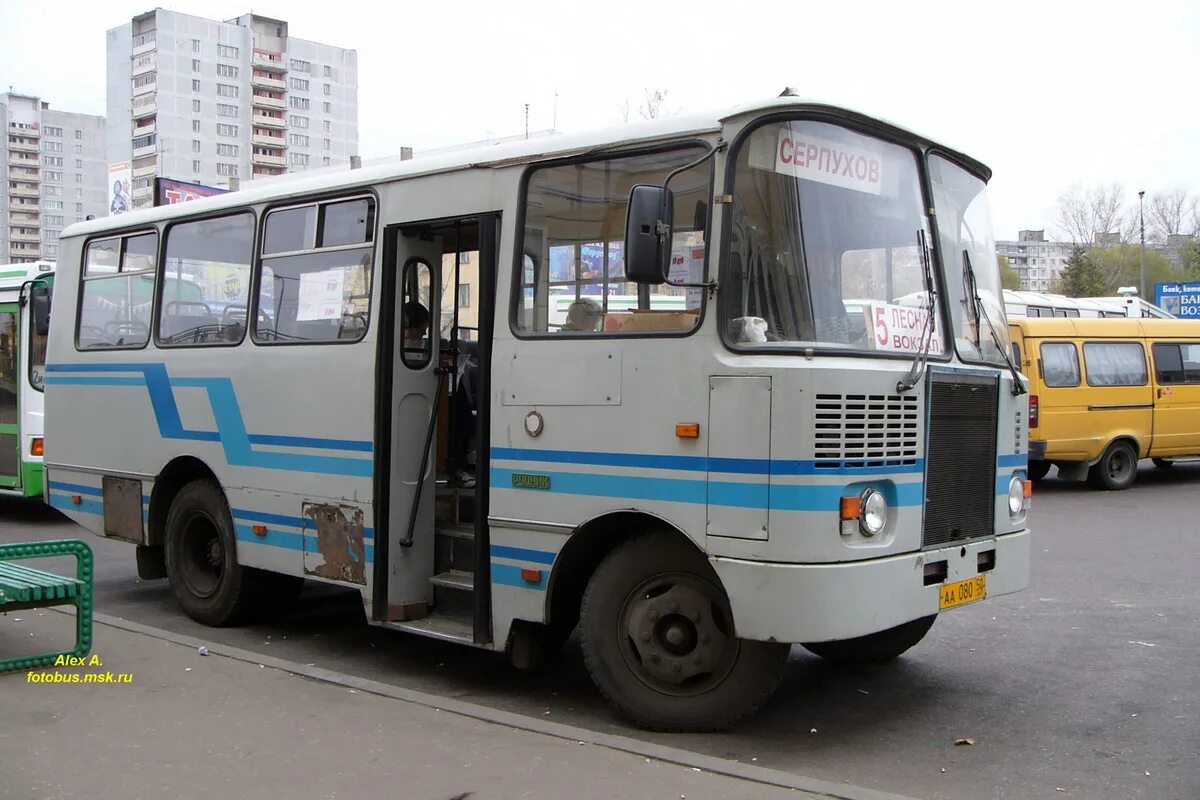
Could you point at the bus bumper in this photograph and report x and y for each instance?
(827, 602)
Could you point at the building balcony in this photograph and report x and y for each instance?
(263, 82)
(269, 61)
(143, 69)
(24, 250)
(23, 147)
(144, 47)
(263, 121)
(146, 169)
(268, 141)
(28, 161)
(259, 101)
(24, 237)
(148, 110)
(268, 161)
(142, 192)
(145, 129)
(24, 130)
(148, 150)
(23, 190)
(18, 215)
(148, 88)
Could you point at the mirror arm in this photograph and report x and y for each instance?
(663, 229)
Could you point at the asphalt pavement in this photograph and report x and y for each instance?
(1083, 686)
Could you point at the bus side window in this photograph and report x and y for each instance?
(316, 272)
(416, 344)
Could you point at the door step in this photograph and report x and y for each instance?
(455, 579)
(453, 549)
(446, 628)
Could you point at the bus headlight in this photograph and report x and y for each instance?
(874, 512)
(1016, 497)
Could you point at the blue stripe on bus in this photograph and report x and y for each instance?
(283, 519)
(742, 466)
(1012, 460)
(87, 381)
(674, 490)
(76, 488)
(231, 431)
(509, 575)
(523, 554)
(288, 541)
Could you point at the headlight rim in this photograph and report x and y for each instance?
(866, 498)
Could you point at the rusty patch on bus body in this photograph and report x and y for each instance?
(339, 544)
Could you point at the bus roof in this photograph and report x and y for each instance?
(13, 275)
(1101, 328)
(488, 156)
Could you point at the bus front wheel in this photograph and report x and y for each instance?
(201, 558)
(874, 648)
(658, 640)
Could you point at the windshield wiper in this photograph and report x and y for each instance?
(1018, 387)
(918, 366)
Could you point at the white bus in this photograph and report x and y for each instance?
(24, 325)
(696, 486)
(1019, 303)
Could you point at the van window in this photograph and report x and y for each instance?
(1177, 363)
(1060, 364)
(1115, 363)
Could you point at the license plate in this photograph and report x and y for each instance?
(963, 592)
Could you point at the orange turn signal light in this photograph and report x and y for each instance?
(77, 499)
(38, 446)
(259, 530)
(1027, 488)
(687, 430)
(531, 575)
(851, 507)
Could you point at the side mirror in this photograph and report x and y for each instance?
(648, 234)
(39, 303)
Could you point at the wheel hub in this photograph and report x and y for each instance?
(675, 635)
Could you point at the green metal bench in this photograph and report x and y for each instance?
(23, 588)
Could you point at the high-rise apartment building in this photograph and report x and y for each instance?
(221, 102)
(54, 171)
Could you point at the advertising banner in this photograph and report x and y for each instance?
(120, 176)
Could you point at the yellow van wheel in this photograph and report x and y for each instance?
(1116, 469)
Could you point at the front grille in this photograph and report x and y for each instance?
(865, 430)
(960, 458)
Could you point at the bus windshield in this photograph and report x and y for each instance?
(826, 244)
(970, 271)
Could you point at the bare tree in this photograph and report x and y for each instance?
(654, 104)
(1171, 213)
(623, 111)
(1096, 215)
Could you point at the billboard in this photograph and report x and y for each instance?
(120, 176)
(168, 191)
(1178, 299)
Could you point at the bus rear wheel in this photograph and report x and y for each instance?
(1038, 470)
(874, 648)
(658, 640)
(201, 558)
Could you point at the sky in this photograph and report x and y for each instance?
(1049, 94)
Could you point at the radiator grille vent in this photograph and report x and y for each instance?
(865, 430)
(960, 472)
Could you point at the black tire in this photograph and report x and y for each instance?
(654, 606)
(874, 648)
(1163, 463)
(1038, 470)
(201, 556)
(1116, 469)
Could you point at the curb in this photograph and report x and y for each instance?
(816, 788)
